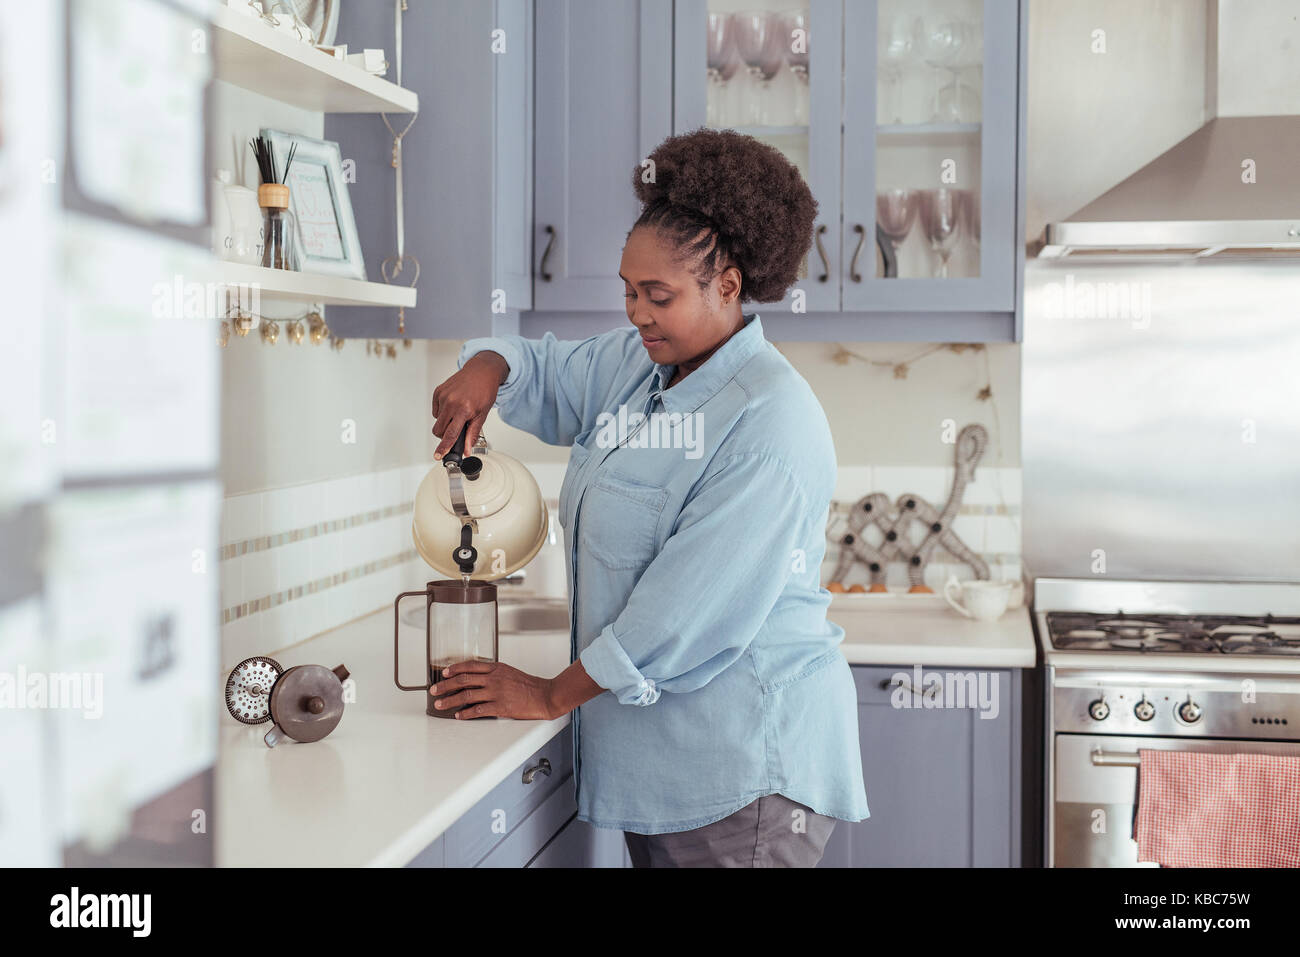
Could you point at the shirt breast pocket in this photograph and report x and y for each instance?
(620, 521)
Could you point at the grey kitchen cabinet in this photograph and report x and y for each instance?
(852, 145)
(467, 166)
(528, 820)
(582, 845)
(849, 146)
(943, 783)
(604, 101)
(977, 156)
(813, 146)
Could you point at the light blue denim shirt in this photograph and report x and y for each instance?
(695, 537)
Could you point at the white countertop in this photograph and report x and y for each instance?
(923, 630)
(390, 779)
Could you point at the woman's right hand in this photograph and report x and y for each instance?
(466, 398)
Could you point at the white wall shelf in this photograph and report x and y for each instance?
(284, 284)
(253, 55)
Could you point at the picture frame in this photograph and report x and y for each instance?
(322, 210)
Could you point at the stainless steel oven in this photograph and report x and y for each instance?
(1096, 790)
(1154, 665)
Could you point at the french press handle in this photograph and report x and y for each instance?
(397, 628)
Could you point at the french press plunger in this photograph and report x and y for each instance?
(490, 499)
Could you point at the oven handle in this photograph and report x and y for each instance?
(1116, 759)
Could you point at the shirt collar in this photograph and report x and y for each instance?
(719, 369)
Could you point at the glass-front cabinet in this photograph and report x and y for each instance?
(771, 68)
(902, 116)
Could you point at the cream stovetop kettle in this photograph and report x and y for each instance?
(478, 518)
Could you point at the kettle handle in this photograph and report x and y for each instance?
(397, 680)
(470, 465)
(457, 451)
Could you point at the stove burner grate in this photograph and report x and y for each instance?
(1178, 634)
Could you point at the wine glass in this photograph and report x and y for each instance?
(940, 213)
(895, 214)
(721, 55)
(971, 215)
(798, 44)
(970, 218)
(950, 45)
(760, 43)
(896, 47)
(959, 101)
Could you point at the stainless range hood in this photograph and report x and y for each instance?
(1191, 202)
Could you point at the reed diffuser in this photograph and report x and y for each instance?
(278, 249)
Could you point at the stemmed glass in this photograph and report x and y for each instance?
(970, 218)
(721, 60)
(950, 45)
(761, 45)
(895, 48)
(895, 213)
(798, 42)
(941, 214)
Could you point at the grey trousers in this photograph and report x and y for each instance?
(772, 831)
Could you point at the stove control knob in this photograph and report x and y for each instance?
(1144, 710)
(1099, 710)
(1189, 711)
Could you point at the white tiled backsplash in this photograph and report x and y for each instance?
(301, 560)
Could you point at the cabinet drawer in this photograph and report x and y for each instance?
(875, 683)
(533, 833)
(490, 821)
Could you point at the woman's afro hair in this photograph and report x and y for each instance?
(725, 199)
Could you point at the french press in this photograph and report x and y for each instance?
(495, 501)
(304, 703)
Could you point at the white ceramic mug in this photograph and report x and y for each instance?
(981, 600)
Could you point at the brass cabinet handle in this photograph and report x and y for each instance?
(543, 767)
(862, 239)
(546, 253)
(821, 250)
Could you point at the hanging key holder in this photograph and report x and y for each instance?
(390, 269)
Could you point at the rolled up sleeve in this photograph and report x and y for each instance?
(556, 387)
(705, 596)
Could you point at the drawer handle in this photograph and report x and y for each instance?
(889, 683)
(546, 254)
(543, 767)
(821, 251)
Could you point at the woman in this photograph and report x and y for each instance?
(715, 717)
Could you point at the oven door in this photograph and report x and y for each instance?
(1095, 794)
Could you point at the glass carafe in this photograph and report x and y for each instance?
(460, 622)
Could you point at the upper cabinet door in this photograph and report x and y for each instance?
(512, 167)
(772, 69)
(604, 101)
(930, 155)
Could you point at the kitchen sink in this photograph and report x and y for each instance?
(536, 614)
(514, 615)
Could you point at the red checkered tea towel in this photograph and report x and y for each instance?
(1197, 809)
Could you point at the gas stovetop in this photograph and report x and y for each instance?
(1174, 634)
(1168, 625)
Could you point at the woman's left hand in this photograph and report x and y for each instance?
(493, 689)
